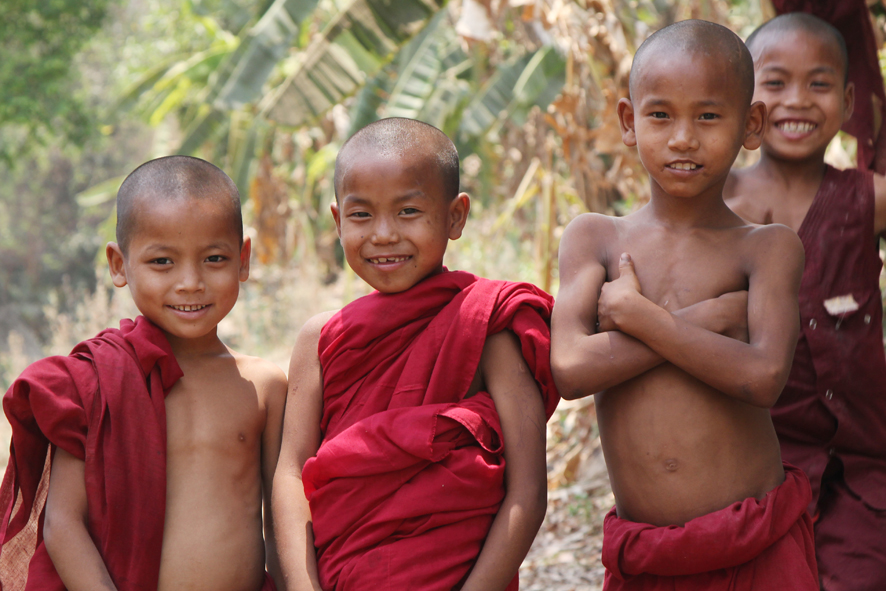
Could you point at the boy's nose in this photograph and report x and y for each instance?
(385, 233)
(683, 139)
(190, 280)
(796, 96)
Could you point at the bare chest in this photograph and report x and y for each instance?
(763, 204)
(679, 270)
(211, 414)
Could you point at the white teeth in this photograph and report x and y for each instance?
(796, 126)
(683, 166)
(388, 259)
(189, 308)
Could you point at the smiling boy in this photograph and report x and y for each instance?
(163, 440)
(702, 500)
(413, 451)
(831, 418)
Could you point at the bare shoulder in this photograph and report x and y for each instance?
(590, 229)
(268, 379)
(309, 336)
(587, 239)
(774, 243)
(315, 324)
(746, 195)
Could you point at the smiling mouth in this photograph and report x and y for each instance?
(796, 126)
(389, 259)
(193, 308)
(684, 166)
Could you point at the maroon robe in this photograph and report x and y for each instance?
(104, 404)
(831, 416)
(410, 474)
(750, 545)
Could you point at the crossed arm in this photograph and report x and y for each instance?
(702, 340)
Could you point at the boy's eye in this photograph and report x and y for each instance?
(659, 115)
(821, 84)
(160, 261)
(215, 258)
(359, 214)
(409, 210)
(709, 116)
(773, 84)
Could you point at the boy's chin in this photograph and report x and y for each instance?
(395, 286)
(792, 152)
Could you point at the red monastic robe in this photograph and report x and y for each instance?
(410, 474)
(749, 546)
(104, 404)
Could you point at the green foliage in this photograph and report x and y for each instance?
(39, 93)
(362, 37)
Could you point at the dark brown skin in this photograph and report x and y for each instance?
(682, 396)
(799, 76)
(224, 418)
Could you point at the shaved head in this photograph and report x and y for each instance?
(704, 39)
(801, 21)
(173, 178)
(398, 137)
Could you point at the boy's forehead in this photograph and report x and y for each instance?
(368, 167)
(797, 47)
(700, 74)
(157, 214)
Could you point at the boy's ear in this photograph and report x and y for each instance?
(848, 101)
(245, 252)
(626, 122)
(459, 209)
(755, 124)
(336, 215)
(116, 264)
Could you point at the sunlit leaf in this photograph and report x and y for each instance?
(362, 37)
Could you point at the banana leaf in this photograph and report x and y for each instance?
(363, 37)
(529, 80)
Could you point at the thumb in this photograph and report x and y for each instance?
(625, 265)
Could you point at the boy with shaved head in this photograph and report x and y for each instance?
(413, 452)
(159, 442)
(831, 418)
(680, 319)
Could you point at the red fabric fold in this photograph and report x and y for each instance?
(410, 474)
(853, 19)
(751, 545)
(105, 404)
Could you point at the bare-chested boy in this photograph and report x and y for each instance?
(164, 441)
(702, 500)
(831, 418)
(415, 422)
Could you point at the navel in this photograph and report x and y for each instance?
(671, 465)
(241, 437)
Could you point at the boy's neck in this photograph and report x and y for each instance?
(207, 345)
(688, 212)
(808, 171)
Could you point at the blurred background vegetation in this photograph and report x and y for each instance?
(269, 90)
